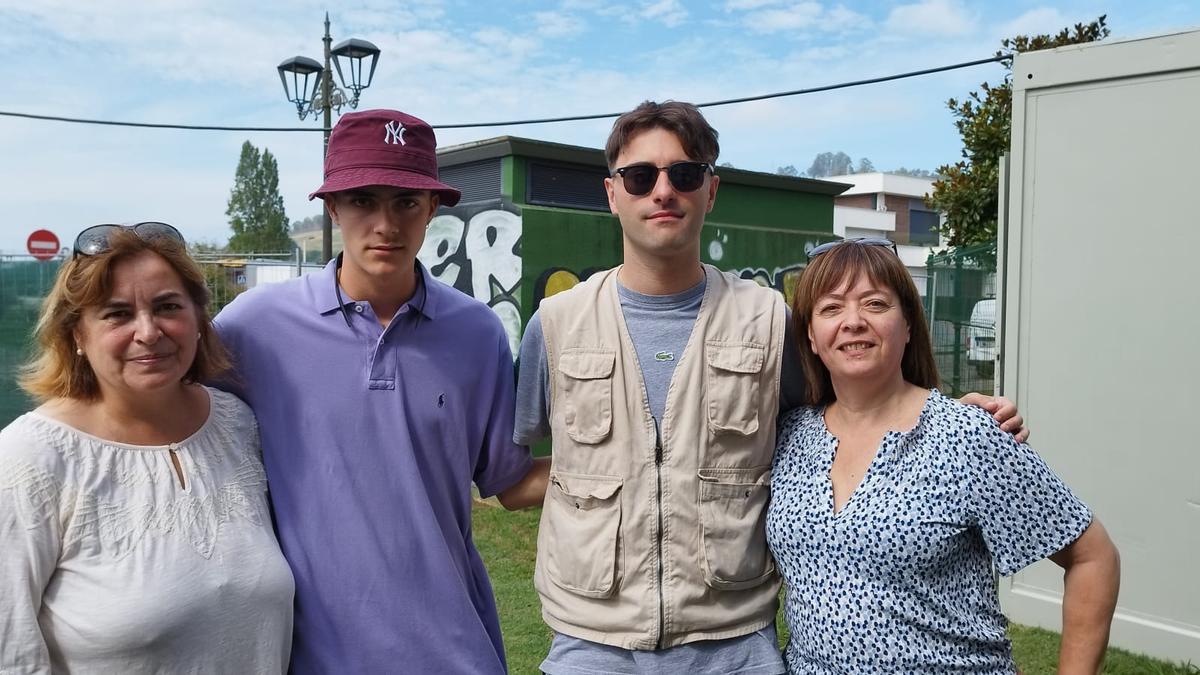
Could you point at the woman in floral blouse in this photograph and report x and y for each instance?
(891, 504)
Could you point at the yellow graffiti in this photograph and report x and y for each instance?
(559, 281)
(790, 278)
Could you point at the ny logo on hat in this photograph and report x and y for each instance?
(395, 133)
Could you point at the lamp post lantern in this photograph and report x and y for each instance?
(309, 85)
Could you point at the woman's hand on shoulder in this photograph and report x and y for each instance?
(1003, 411)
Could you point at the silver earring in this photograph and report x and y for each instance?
(197, 336)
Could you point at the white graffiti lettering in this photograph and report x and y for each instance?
(481, 258)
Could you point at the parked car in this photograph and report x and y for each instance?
(981, 337)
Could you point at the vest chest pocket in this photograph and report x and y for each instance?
(731, 379)
(583, 520)
(586, 381)
(733, 508)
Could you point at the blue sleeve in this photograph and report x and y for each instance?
(533, 387)
(1023, 509)
(502, 462)
(229, 323)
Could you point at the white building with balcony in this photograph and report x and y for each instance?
(890, 206)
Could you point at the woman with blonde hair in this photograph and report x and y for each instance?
(891, 504)
(134, 527)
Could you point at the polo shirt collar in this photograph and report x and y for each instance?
(326, 300)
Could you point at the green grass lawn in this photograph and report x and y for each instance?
(508, 543)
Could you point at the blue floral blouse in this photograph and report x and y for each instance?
(901, 579)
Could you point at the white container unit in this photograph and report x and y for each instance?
(1100, 252)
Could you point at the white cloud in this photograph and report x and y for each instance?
(842, 18)
(799, 16)
(742, 5)
(195, 40)
(1034, 22)
(498, 41)
(557, 24)
(212, 62)
(932, 17)
(670, 12)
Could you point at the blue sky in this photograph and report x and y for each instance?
(453, 61)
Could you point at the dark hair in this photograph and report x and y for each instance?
(86, 281)
(830, 271)
(699, 140)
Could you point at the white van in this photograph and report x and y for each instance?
(981, 337)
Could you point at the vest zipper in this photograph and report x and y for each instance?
(662, 604)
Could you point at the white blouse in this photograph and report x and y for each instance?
(108, 565)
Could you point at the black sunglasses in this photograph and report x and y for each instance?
(95, 239)
(861, 241)
(639, 179)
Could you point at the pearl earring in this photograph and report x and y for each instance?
(79, 351)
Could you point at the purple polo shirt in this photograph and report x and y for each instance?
(371, 439)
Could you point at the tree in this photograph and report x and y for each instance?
(915, 173)
(789, 170)
(968, 192)
(255, 207)
(865, 166)
(830, 164)
(203, 247)
(309, 224)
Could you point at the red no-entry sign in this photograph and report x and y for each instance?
(42, 244)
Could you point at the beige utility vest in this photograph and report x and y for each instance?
(655, 539)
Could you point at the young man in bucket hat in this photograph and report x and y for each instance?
(381, 395)
(659, 383)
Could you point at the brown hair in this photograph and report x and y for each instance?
(830, 271)
(698, 138)
(86, 281)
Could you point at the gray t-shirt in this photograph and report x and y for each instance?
(659, 326)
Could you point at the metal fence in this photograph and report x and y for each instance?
(230, 275)
(958, 288)
(25, 282)
(961, 308)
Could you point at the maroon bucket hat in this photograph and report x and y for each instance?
(383, 147)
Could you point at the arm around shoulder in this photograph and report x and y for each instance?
(1003, 411)
(531, 489)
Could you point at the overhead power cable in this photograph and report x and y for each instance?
(544, 120)
(746, 99)
(152, 125)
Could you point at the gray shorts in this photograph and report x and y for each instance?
(753, 654)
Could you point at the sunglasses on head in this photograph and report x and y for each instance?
(860, 241)
(639, 179)
(95, 239)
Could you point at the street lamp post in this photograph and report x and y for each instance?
(322, 95)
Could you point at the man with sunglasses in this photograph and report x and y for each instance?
(659, 384)
(382, 395)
